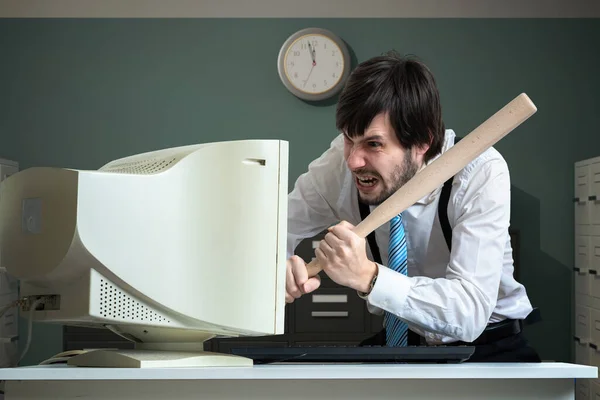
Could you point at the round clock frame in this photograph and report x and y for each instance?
(319, 55)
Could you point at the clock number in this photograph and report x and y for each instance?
(333, 52)
(296, 53)
(314, 85)
(325, 82)
(334, 75)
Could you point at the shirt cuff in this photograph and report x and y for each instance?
(390, 291)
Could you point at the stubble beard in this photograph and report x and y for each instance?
(401, 174)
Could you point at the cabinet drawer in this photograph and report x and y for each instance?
(594, 389)
(594, 258)
(582, 252)
(582, 389)
(582, 182)
(583, 282)
(594, 181)
(594, 194)
(582, 323)
(595, 326)
(330, 310)
(582, 353)
(583, 211)
(594, 280)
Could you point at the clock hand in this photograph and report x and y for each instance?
(310, 72)
(312, 54)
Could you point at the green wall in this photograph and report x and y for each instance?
(78, 93)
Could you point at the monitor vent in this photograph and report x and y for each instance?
(142, 167)
(116, 304)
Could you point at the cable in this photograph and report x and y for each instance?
(32, 309)
(30, 327)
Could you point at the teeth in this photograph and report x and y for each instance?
(367, 181)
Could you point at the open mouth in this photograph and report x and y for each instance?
(366, 181)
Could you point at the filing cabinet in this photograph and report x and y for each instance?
(586, 270)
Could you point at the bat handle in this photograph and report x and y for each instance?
(361, 230)
(313, 268)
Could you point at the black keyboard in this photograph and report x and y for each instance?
(356, 354)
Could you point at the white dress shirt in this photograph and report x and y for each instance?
(445, 297)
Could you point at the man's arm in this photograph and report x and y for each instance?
(311, 209)
(308, 212)
(311, 204)
(460, 304)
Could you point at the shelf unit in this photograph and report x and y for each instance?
(586, 271)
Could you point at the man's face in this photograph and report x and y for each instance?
(378, 162)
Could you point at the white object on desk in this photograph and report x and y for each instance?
(315, 381)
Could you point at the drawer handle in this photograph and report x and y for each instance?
(593, 346)
(582, 341)
(329, 314)
(593, 271)
(329, 298)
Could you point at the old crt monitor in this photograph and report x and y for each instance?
(167, 248)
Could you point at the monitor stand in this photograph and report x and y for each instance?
(157, 355)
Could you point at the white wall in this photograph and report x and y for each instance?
(302, 8)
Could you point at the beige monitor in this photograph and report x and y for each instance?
(168, 248)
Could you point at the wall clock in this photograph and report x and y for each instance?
(314, 64)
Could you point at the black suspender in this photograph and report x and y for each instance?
(364, 211)
(443, 212)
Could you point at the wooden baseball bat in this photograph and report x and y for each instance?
(448, 164)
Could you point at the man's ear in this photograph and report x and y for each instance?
(420, 150)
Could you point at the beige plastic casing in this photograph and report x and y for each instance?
(168, 248)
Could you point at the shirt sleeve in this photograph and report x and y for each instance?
(460, 304)
(312, 202)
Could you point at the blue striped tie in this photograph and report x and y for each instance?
(396, 329)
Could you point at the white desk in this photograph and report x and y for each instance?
(314, 381)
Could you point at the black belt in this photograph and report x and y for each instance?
(503, 329)
(494, 332)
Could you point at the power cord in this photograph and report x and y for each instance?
(30, 327)
(32, 307)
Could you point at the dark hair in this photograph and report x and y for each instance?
(401, 86)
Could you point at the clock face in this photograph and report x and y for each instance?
(314, 64)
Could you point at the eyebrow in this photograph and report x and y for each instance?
(366, 138)
(373, 137)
